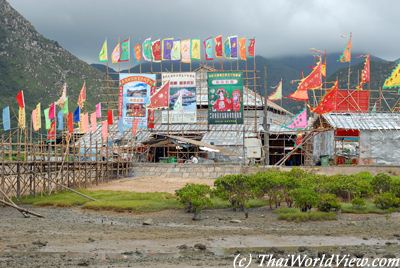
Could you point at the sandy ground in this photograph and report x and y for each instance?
(150, 184)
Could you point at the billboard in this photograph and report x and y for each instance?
(134, 92)
(182, 98)
(225, 98)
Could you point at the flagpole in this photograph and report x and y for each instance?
(266, 125)
(129, 56)
(282, 90)
(348, 74)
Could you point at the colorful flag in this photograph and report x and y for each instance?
(60, 102)
(218, 46)
(116, 54)
(195, 49)
(82, 95)
(103, 55)
(277, 94)
(52, 111)
(209, 48)
(21, 118)
(167, 45)
(84, 125)
(93, 122)
(98, 110)
(394, 79)
(110, 117)
(233, 40)
(39, 116)
(125, 50)
(65, 106)
(138, 52)
(36, 119)
(135, 126)
(60, 120)
(6, 118)
(104, 130)
(242, 48)
(328, 102)
(20, 99)
(47, 120)
(346, 55)
(227, 48)
(77, 115)
(176, 50)
(51, 133)
(147, 51)
(251, 47)
(121, 127)
(299, 121)
(313, 80)
(365, 73)
(70, 122)
(156, 50)
(160, 99)
(185, 51)
(374, 108)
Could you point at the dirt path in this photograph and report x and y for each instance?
(76, 237)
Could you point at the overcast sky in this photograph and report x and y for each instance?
(281, 27)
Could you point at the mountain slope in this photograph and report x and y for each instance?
(37, 65)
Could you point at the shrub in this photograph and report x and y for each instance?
(304, 199)
(381, 183)
(358, 203)
(395, 186)
(328, 202)
(195, 197)
(386, 201)
(345, 186)
(307, 216)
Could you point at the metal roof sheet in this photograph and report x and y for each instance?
(364, 121)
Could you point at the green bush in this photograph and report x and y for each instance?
(381, 183)
(307, 216)
(328, 202)
(358, 203)
(195, 197)
(345, 186)
(386, 201)
(395, 186)
(304, 199)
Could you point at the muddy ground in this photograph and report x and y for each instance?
(77, 237)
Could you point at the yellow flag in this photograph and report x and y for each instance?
(103, 55)
(394, 79)
(21, 118)
(195, 49)
(36, 118)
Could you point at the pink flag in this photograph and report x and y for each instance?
(300, 121)
(52, 111)
(104, 130)
(84, 123)
(98, 110)
(93, 123)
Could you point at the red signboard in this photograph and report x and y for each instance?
(352, 100)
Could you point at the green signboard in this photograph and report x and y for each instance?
(225, 98)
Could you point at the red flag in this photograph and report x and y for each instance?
(82, 95)
(135, 126)
(160, 99)
(138, 52)
(251, 47)
(70, 122)
(20, 99)
(109, 117)
(150, 119)
(313, 80)
(51, 133)
(52, 111)
(218, 46)
(328, 102)
(156, 50)
(365, 73)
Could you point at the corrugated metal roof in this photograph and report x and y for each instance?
(364, 121)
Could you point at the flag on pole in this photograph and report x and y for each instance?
(328, 102)
(233, 40)
(65, 106)
(82, 96)
(209, 48)
(98, 110)
(52, 111)
(227, 48)
(313, 80)
(110, 117)
(121, 127)
(185, 51)
(6, 119)
(251, 47)
(176, 50)
(60, 102)
(167, 45)
(77, 115)
(103, 55)
(160, 99)
(21, 118)
(242, 48)
(116, 54)
(277, 94)
(93, 122)
(70, 122)
(84, 126)
(135, 126)
(104, 130)
(146, 48)
(156, 50)
(47, 120)
(394, 79)
(365, 73)
(138, 52)
(299, 121)
(36, 118)
(125, 50)
(195, 49)
(51, 133)
(20, 99)
(39, 116)
(346, 55)
(218, 46)
(60, 120)
(374, 108)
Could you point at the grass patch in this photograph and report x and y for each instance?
(294, 214)
(370, 208)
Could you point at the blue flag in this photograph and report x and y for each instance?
(227, 48)
(121, 126)
(60, 120)
(209, 48)
(6, 119)
(77, 115)
(234, 46)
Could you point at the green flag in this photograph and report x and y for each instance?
(65, 107)
(46, 118)
(103, 55)
(125, 50)
(146, 48)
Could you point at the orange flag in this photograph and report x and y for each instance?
(328, 102)
(346, 56)
(84, 123)
(93, 122)
(104, 130)
(82, 95)
(242, 48)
